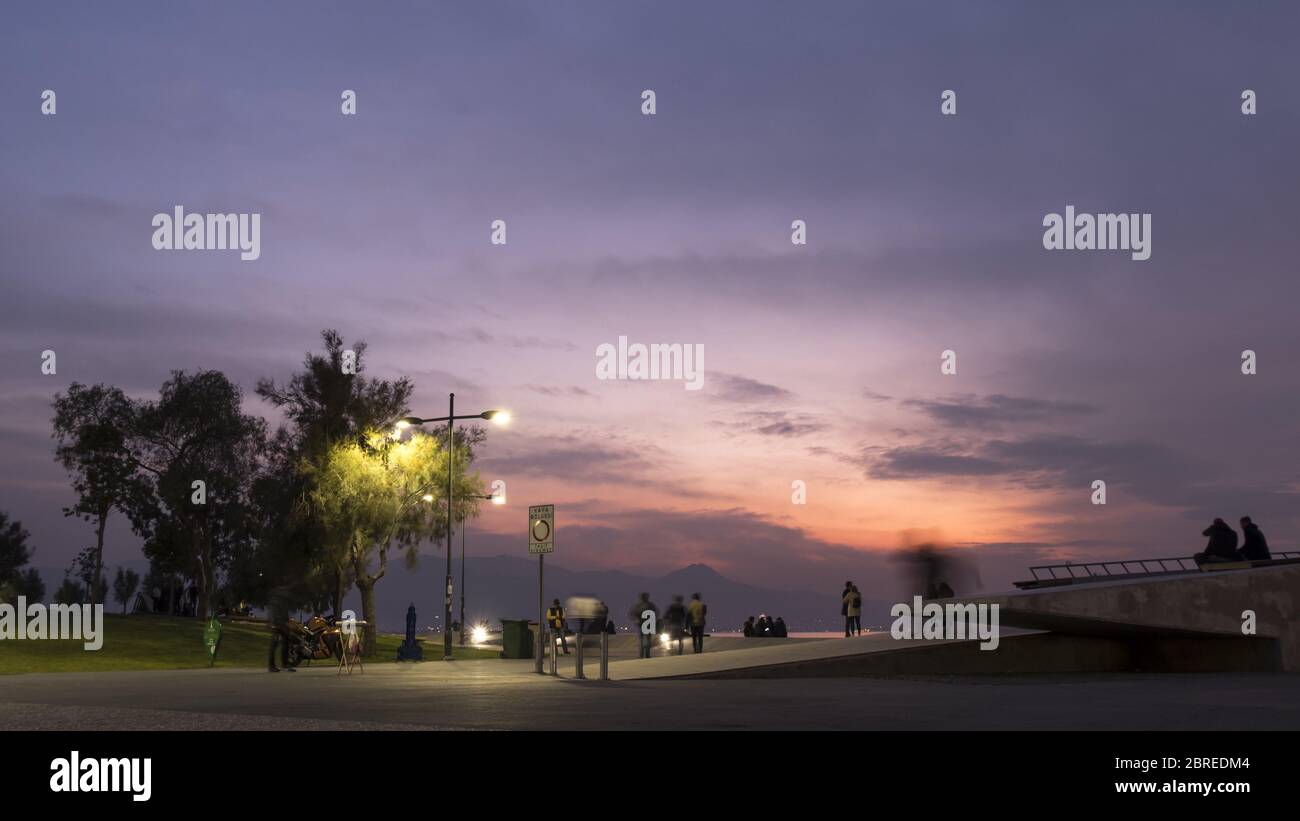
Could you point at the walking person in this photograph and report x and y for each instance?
(644, 615)
(555, 620)
(695, 614)
(675, 621)
(278, 615)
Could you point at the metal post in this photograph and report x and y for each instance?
(541, 612)
(582, 625)
(604, 655)
(462, 584)
(555, 659)
(451, 471)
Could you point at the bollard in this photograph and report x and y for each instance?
(551, 637)
(604, 656)
(578, 661)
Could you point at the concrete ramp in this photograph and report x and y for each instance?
(1197, 608)
(860, 655)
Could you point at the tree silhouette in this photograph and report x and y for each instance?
(125, 583)
(14, 553)
(195, 433)
(93, 425)
(324, 405)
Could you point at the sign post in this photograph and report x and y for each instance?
(541, 540)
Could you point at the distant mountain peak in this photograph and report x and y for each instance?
(696, 571)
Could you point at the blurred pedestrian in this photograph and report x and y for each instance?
(645, 616)
(675, 621)
(278, 605)
(555, 620)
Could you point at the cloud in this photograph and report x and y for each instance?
(734, 388)
(909, 462)
(574, 456)
(782, 423)
(553, 390)
(997, 409)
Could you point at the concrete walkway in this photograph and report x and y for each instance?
(493, 694)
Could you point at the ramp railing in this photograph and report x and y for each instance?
(1046, 575)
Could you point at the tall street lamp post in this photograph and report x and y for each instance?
(498, 416)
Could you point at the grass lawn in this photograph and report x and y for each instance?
(148, 642)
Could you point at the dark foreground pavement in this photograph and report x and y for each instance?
(504, 695)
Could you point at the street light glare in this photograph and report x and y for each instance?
(428, 497)
(501, 417)
(403, 424)
(498, 499)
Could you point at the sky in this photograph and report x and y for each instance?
(822, 361)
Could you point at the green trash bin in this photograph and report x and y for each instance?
(516, 639)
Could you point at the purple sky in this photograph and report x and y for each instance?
(822, 361)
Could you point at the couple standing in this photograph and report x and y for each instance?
(851, 609)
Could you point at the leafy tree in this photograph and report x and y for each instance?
(14, 552)
(69, 592)
(324, 405)
(94, 584)
(370, 498)
(30, 585)
(197, 432)
(92, 425)
(159, 584)
(125, 583)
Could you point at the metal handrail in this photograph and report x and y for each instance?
(1093, 570)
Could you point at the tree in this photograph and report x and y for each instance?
(14, 552)
(201, 454)
(370, 498)
(325, 404)
(69, 592)
(92, 425)
(125, 583)
(29, 585)
(94, 584)
(159, 585)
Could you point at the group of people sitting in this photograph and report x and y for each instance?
(765, 628)
(1222, 546)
